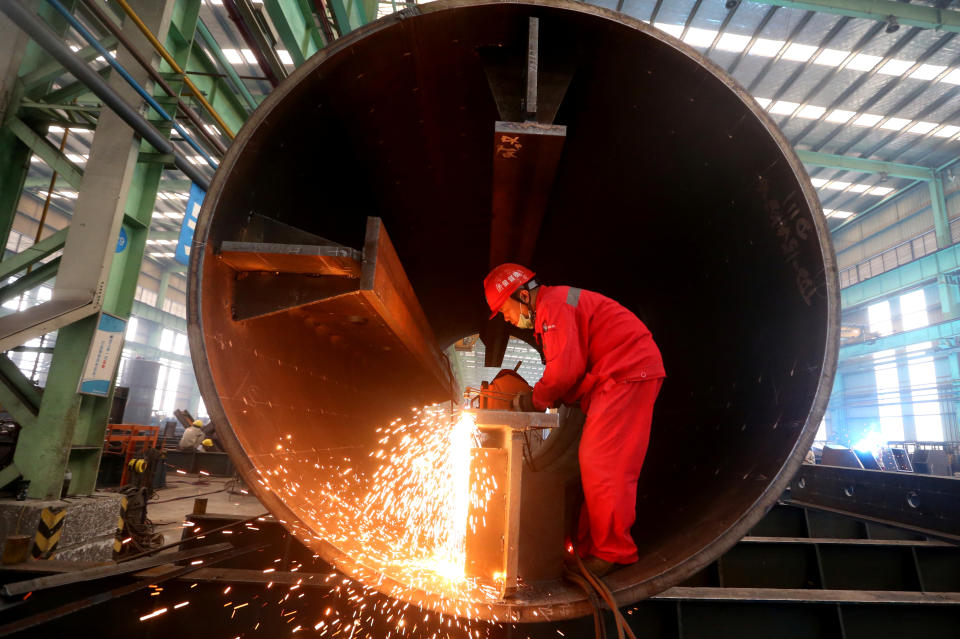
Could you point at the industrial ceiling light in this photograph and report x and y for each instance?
(892, 25)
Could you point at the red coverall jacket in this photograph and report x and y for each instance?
(588, 340)
(599, 353)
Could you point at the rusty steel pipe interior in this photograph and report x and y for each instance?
(673, 193)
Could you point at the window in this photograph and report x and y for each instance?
(926, 398)
(131, 334)
(168, 385)
(888, 399)
(879, 317)
(166, 340)
(180, 344)
(145, 296)
(913, 310)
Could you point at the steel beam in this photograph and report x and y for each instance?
(30, 280)
(927, 268)
(938, 203)
(223, 64)
(51, 70)
(948, 330)
(349, 14)
(923, 503)
(294, 22)
(864, 165)
(46, 152)
(913, 15)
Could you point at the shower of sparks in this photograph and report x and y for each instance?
(402, 515)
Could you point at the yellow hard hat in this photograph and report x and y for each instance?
(197, 422)
(207, 442)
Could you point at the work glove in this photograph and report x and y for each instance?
(523, 402)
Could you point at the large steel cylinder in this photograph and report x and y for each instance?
(675, 194)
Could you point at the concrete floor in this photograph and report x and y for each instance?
(171, 505)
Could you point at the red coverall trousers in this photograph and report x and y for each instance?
(612, 450)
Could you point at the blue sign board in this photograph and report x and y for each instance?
(189, 224)
(103, 357)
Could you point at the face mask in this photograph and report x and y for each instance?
(525, 322)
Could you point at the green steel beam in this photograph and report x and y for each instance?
(935, 332)
(47, 152)
(32, 255)
(349, 14)
(73, 91)
(154, 314)
(294, 22)
(926, 269)
(51, 69)
(863, 165)
(29, 281)
(164, 235)
(913, 15)
(223, 64)
(217, 92)
(154, 353)
(17, 383)
(8, 474)
(938, 203)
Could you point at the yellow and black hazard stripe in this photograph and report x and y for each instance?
(48, 532)
(121, 524)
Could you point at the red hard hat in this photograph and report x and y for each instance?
(501, 283)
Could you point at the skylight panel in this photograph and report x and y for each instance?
(699, 37)
(810, 111)
(867, 119)
(818, 182)
(248, 56)
(76, 158)
(864, 62)
(766, 48)
(880, 190)
(836, 185)
(284, 56)
(673, 29)
(922, 128)
(733, 42)
(840, 116)
(834, 213)
(947, 131)
(859, 188)
(763, 102)
(927, 71)
(831, 57)
(782, 107)
(799, 52)
(896, 67)
(895, 124)
(233, 56)
(952, 78)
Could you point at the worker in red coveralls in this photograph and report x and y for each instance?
(602, 355)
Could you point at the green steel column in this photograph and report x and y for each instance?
(70, 426)
(949, 294)
(162, 289)
(938, 202)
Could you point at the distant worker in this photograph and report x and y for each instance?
(192, 436)
(211, 442)
(600, 354)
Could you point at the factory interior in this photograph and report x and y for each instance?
(480, 318)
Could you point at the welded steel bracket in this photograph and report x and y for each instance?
(365, 296)
(517, 538)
